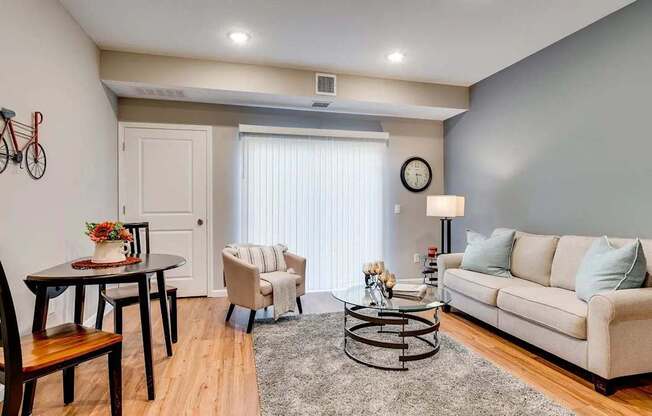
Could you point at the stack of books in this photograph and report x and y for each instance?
(408, 291)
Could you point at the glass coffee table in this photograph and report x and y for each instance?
(396, 318)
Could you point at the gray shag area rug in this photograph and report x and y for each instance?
(302, 370)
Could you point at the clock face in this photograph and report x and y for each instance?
(416, 174)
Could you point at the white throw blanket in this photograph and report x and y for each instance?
(284, 291)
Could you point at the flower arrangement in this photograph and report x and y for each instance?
(110, 241)
(107, 231)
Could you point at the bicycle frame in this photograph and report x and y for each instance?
(23, 131)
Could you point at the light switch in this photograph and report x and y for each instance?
(397, 209)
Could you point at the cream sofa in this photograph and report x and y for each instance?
(245, 288)
(610, 336)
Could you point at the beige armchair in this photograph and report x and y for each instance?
(245, 288)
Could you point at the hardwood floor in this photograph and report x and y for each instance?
(213, 372)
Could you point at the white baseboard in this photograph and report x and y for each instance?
(319, 291)
(217, 293)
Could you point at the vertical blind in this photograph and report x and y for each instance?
(320, 196)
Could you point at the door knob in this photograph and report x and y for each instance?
(200, 222)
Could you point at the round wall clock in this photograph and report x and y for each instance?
(416, 174)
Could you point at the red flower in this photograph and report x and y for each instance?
(101, 231)
(107, 231)
(125, 235)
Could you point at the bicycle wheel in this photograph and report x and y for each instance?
(35, 160)
(4, 154)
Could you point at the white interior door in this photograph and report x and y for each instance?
(164, 179)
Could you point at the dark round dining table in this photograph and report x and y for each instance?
(52, 282)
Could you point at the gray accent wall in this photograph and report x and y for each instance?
(561, 142)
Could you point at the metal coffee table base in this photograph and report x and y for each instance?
(399, 319)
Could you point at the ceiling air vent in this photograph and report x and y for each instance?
(325, 84)
(160, 92)
(320, 104)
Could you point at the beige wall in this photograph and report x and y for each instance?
(50, 65)
(407, 233)
(411, 231)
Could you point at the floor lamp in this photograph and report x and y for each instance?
(446, 207)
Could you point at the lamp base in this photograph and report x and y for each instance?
(445, 235)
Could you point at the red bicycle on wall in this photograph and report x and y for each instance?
(31, 151)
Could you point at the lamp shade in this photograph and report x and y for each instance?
(448, 206)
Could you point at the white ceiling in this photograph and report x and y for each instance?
(449, 41)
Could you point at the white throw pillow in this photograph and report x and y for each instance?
(267, 258)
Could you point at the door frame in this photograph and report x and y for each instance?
(122, 125)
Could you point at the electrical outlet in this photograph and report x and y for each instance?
(416, 258)
(397, 209)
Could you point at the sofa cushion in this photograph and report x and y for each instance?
(481, 287)
(489, 255)
(266, 287)
(570, 252)
(552, 307)
(532, 257)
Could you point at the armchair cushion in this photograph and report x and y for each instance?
(266, 287)
(266, 258)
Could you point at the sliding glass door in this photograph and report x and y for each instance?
(320, 196)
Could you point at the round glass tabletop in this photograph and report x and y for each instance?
(359, 295)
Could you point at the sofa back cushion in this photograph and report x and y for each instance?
(570, 253)
(532, 256)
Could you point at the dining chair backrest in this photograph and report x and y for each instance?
(9, 335)
(137, 229)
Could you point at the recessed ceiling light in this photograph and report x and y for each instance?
(395, 57)
(239, 38)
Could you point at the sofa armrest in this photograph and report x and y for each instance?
(444, 262)
(619, 332)
(622, 305)
(242, 281)
(298, 264)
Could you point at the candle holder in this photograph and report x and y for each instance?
(368, 281)
(377, 277)
(387, 292)
(374, 282)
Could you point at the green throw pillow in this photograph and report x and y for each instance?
(606, 268)
(489, 255)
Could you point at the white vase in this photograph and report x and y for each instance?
(109, 252)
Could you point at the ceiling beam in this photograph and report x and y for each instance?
(256, 85)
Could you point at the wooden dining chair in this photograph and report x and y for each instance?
(54, 349)
(120, 297)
